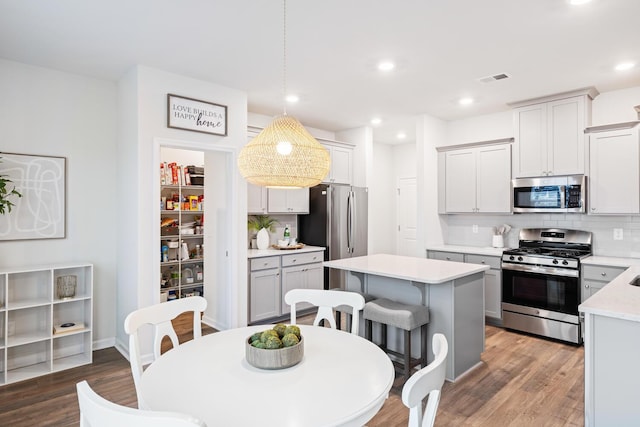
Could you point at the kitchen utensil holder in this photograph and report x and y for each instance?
(498, 241)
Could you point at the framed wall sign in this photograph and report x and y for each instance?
(40, 212)
(195, 115)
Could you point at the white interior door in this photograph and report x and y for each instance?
(407, 214)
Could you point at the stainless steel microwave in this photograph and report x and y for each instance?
(550, 194)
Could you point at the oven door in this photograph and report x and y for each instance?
(550, 289)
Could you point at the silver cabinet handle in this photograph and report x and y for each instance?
(448, 259)
(586, 286)
(603, 274)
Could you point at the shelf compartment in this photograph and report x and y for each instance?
(28, 361)
(3, 298)
(2, 370)
(28, 325)
(77, 311)
(83, 274)
(29, 288)
(71, 350)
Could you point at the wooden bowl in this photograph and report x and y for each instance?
(278, 358)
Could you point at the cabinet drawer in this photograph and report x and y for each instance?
(599, 272)
(491, 261)
(304, 258)
(446, 256)
(267, 262)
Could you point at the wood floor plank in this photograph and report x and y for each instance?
(522, 381)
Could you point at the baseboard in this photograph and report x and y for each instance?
(104, 343)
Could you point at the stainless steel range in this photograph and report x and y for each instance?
(541, 282)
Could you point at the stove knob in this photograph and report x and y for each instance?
(519, 258)
(565, 262)
(511, 258)
(555, 261)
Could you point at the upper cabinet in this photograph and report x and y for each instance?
(288, 201)
(256, 199)
(614, 183)
(475, 178)
(549, 134)
(341, 155)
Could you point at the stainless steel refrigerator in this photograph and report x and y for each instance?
(337, 220)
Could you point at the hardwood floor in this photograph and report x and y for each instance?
(523, 381)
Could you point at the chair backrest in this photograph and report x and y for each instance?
(326, 301)
(95, 411)
(427, 381)
(159, 316)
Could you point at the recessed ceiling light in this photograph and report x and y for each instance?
(401, 135)
(386, 66)
(465, 101)
(293, 98)
(623, 66)
(376, 121)
(579, 2)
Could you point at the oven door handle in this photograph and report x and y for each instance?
(536, 269)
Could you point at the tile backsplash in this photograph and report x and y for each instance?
(278, 232)
(458, 230)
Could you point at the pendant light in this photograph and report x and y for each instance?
(284, 154)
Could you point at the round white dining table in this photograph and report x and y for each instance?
(342, 380)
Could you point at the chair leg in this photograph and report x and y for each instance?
(407, 354)
(423, 346)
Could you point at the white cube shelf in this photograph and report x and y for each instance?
(40, 332)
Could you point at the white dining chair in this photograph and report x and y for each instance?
(326, 301)
(427, 381)
(159, 316)
(96, 411)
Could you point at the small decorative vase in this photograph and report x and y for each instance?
(262, 238)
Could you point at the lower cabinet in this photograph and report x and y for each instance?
(272, 277)
(595, 277)
(492, 279)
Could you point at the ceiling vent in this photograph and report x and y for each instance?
(494, 78)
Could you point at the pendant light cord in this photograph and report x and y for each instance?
(284, 56)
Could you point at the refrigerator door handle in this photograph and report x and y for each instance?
(350, 219)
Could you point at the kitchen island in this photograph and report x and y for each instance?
(611, 349)
(453, 291)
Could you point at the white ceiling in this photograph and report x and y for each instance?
(441, 48)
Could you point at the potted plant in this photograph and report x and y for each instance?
(5, 203)
(262, 224)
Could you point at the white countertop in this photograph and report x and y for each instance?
(618, 299)
(486, 250)
(610, 261)
(407, 268)
(259, 253)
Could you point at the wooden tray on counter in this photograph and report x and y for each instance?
(284, 248)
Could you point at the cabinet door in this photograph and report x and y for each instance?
(256, 199)
(288, 201)
(314, 276)
(293, 278)
(341, 165)
(493, 192)
(530, 148)
(460, 181)
(590, 287)
(265, 294)
(493, 293)
(614, 183)
(445, 256)
(566, 139)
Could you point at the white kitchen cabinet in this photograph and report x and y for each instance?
(595, 277)
(40, 332)
(476, 179)
(341, 171)
(272, 277)
(549, 136)
(264, 288)
(288, 201)
(614, 183)
(257, 199)
(492, 279)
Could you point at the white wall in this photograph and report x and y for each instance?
(143, 94)
(480, 128)
(382, 202)
(47, 112)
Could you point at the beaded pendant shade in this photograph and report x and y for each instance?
(284, 155)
